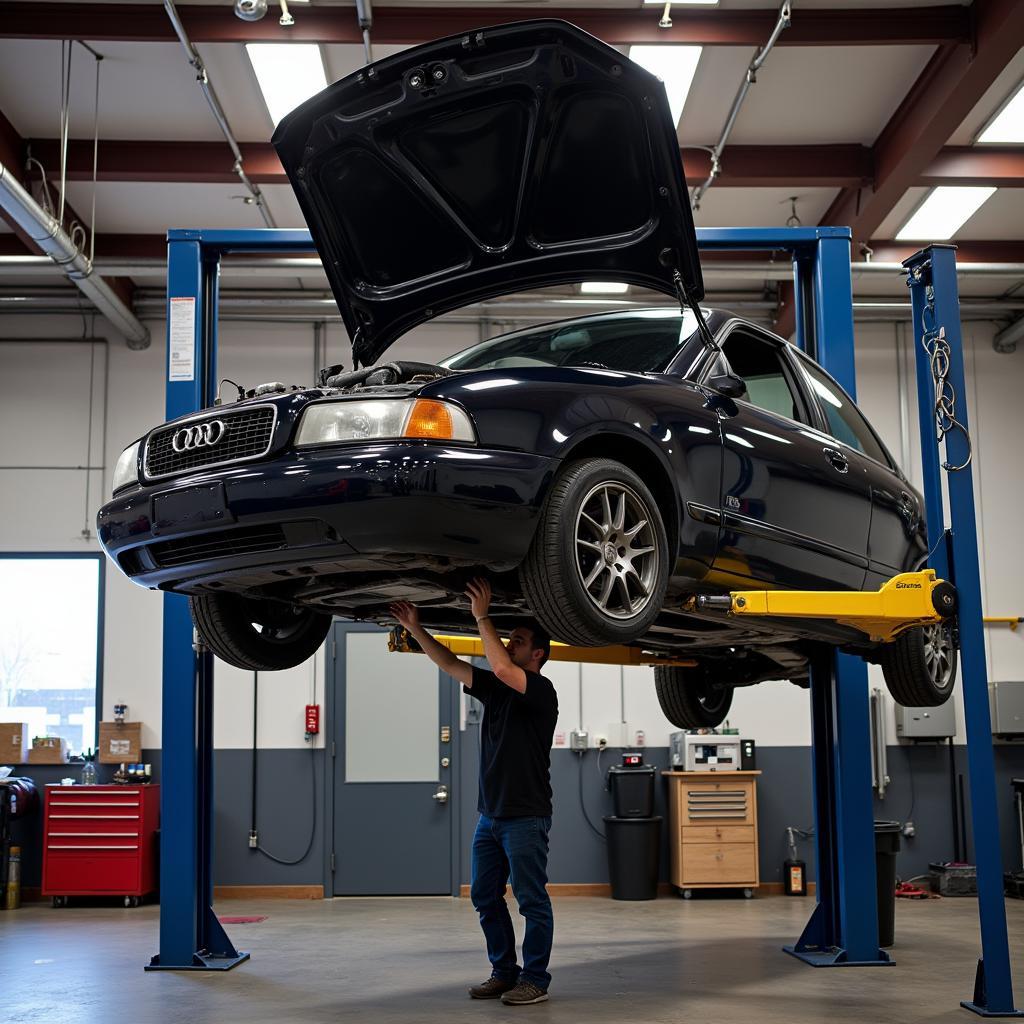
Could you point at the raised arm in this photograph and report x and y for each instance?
(409, 617)
(479, 592)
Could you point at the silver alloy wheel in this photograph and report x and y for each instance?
(617, 554)
(938, 655)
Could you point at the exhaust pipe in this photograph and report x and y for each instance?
(54, 241)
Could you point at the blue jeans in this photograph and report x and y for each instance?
(515, 848)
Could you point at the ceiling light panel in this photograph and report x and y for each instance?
(942, 214)
(603, 288)
(675, 66)
(1008, 124)
(288, 74)
(684, 3)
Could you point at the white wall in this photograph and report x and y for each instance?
(44, 410)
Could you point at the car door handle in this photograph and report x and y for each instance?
(837, 460)
(908, 507)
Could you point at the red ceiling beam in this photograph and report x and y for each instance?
(947, 90)
(888, 251)
(824, 166)
(829, 166)
(976, 165)
(948, 23)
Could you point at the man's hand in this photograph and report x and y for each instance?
(479, 593)
(407, 614)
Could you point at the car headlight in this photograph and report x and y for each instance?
(127, 469)
(374, 419)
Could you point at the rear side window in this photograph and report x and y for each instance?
(845, 421)
(760, 365)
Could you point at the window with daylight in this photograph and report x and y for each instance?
(51, 644)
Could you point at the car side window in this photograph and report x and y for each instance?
(760, 365)
(844, 419)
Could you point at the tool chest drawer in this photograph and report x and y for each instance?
(100, 840)
(713, 830)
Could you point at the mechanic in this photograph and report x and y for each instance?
(511, 839)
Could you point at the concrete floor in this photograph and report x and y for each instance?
(410, 960)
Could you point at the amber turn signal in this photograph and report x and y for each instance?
(435, 420)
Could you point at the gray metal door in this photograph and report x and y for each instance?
(394, 726)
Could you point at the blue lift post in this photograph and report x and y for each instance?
(936, 318)
(843, 928)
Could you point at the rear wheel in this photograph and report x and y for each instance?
(920, 665)
(597, 570)
(258, 635)
(689, 699)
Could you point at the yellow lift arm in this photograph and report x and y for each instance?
(473, 647)
(910, 599)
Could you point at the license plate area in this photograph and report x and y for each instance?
(189, 509)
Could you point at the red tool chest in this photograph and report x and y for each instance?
(100, 841)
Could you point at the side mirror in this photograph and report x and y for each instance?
(728, 384)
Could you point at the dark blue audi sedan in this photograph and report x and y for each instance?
(603, 472)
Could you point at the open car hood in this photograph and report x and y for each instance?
(506, 159)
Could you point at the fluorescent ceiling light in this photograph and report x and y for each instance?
(943, 212)
(288, 73)
(1008, 124)
(603, 288)
(684, 3)
(675, 66)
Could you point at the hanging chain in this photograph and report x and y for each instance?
(937, 349)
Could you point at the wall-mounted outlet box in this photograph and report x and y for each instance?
(579, 739)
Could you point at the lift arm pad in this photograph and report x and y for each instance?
(910, 599)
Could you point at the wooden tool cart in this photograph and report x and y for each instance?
(713, 830)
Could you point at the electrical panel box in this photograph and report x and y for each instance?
(926, 723)
(1006, 701)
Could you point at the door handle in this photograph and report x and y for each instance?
(837, 460)
(441, 796)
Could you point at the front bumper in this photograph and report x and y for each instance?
(325, 508)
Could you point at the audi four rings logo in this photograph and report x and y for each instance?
(199, 435)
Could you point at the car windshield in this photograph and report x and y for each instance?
(642, 342)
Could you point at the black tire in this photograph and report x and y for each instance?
(264, 636)
(569, 546)
(920, 666)
(687, 698)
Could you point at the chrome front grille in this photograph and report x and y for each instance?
(247, 434)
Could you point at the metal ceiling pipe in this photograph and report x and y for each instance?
(1008, 338)
(54, 241)
(192, 55)
(783, 22)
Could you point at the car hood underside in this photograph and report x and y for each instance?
(510, 158)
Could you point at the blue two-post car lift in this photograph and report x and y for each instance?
(843, 929)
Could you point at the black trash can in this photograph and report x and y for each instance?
(633, 848)
(887, 845)
(632, 791)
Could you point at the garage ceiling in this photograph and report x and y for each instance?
(861, 108)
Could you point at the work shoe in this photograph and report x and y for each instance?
(492, 988)
(523, 994)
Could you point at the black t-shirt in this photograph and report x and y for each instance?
(515, 745)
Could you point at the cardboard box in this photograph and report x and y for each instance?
(120, 742)
(14, 743)
(48, 750)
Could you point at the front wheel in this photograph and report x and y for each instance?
(598, 567)
(920, 665)
(258, 635)
(688, 698)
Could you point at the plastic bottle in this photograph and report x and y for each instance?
(13, 895)
(90, 774)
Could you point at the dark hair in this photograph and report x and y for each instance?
(541, 640)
